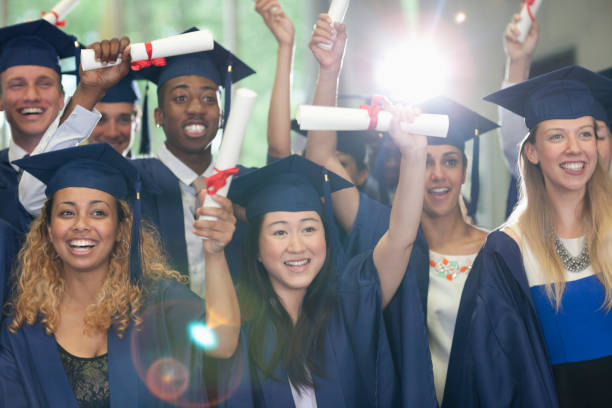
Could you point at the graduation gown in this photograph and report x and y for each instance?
(405, 315)
(8, 252)
(499, 355)
(358, 365)
(11, 209)
(32, 373)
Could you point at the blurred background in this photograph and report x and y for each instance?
(405, 49)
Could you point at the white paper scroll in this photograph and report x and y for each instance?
(233, 135)
(196, 41)
(524, 24)
(337, 11)
(311, 117)
(60, 11)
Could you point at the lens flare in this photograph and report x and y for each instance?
(413, 72)
(167, 379)
(202, 335)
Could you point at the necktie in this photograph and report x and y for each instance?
(199, 184)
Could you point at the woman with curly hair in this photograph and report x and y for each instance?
(97, 317)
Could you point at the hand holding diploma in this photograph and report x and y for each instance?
(528, 13)
(311, 117)
(333, 34)
(337, 11)
(229, 152)
(58, 13)
(195, 41)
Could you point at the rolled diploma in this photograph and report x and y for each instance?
(524, 24)
(312, 117)
(63, 8)
(337, 11)
(196, 41)
(229, 152)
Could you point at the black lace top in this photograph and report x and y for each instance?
(88, 378)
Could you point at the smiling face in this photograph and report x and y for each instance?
(115, 125)
(189, 113)
(83, 228)
(292, 249)
(31, 99)
(443, 179)
(566, 151)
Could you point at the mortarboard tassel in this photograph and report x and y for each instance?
(145, 138)
(475, 183)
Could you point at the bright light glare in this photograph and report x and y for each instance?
(413, 72)
(202, 336)
(460, 17)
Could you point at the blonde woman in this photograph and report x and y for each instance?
(97, 317)
(534, 325)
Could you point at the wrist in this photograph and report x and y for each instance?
(284, 49)
(517, 69)
(88, 96)
(329, 74)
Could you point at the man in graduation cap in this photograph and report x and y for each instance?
(121, 118)
(190, 113)
(31, 96)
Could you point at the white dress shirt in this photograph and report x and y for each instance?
(195, 247)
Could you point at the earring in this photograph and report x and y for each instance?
(221, 121)
(157, 124)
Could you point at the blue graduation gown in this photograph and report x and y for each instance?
(405, 314)
(11, 209)
(162, 205)
(358, 365)
(32, 373)
(499, 355)
(164, 208)
(8, 252)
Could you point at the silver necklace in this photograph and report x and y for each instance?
(573, 263)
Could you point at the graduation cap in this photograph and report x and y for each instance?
(292, 184)
(219, 65)
(97, 166)
(126, 91)
(35, 43)
(464, 125)
(567, 93)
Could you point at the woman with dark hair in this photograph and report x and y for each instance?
(534, 326)
(97, 318)
(313, 336)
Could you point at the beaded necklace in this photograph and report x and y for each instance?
(449, 269)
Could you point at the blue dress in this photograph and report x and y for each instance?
(32, 373)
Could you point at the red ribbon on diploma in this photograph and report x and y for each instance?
(373, 111)
(218, 180)
(529, 3)
(158, 62)
(58, 23)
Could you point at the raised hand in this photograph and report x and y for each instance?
(407, 143)
(325, 33)
(277, 21)
(516, 50)
(219, 232)
(107, 51)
